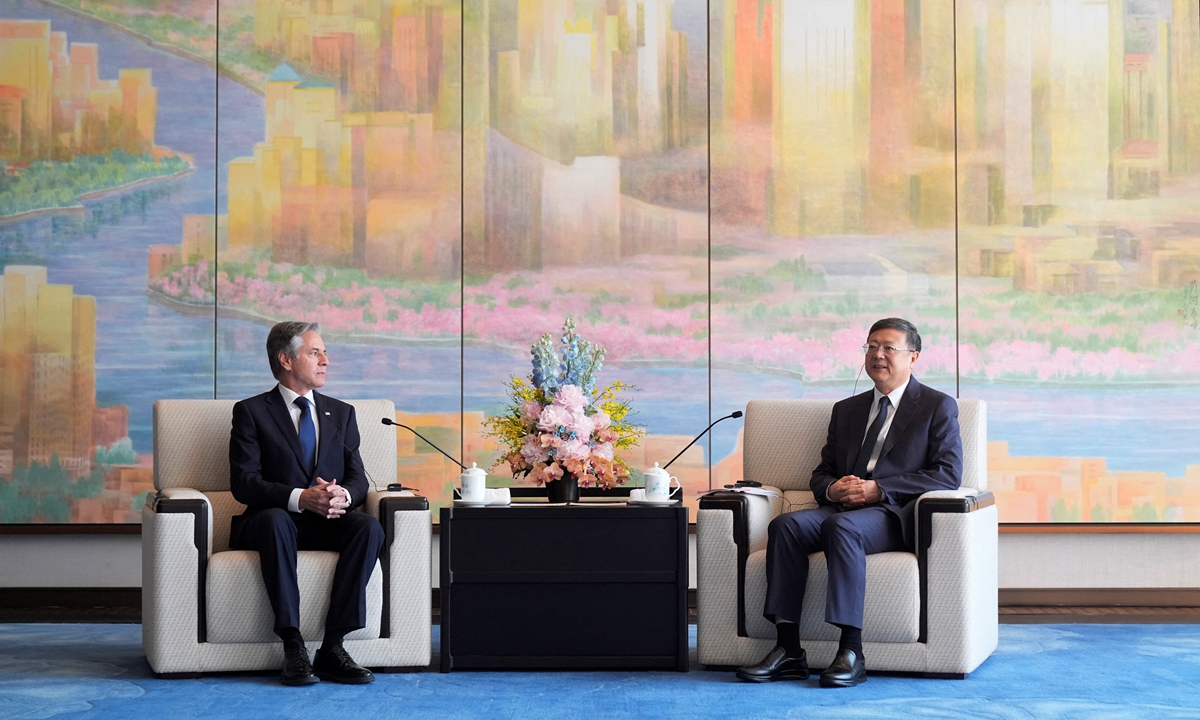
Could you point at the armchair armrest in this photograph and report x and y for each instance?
(375, 498)
(186, 500)
(752, 514)
(963, 500)
(957, 559)
(405, 556)
(176, 546)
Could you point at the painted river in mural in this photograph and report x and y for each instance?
(145, 351)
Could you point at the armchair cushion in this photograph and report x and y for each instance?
(804, 425)
(224, 509)
(796, 500)
(239, 611)
(891, 608)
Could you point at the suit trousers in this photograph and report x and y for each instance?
(846, 537)
(278, 534)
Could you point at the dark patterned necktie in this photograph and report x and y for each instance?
(868, 446)
(308, 435)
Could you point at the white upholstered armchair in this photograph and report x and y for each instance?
(204, 606)
(931, 611)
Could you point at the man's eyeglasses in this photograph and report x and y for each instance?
(888, 350)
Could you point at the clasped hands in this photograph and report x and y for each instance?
(327, 499)
(854, 492)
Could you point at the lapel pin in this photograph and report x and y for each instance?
(326, 412)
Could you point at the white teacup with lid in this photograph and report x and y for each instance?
(658, 484)
(472, 484)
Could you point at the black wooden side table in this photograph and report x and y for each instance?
(578, 586)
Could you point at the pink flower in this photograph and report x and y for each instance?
(516, 462)
(578, 468)
(532, 451)
(554, 416)
(574, 449)
(530, 410)
(545, 473)
(603, 451)
(537, 474)
(601, 420)
(580, 424)
(570, 396)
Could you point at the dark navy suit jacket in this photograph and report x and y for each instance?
(922, 451)
(264, 451)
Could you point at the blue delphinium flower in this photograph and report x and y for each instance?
(578, 364)
(546, 364)
(570, 356)
(591, 360)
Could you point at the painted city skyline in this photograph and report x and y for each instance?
(438, 183)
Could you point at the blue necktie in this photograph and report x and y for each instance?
(308, 435)
(868, 446)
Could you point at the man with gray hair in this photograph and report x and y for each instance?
(294, 463)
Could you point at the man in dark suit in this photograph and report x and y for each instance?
(294, 462)
(885, 448)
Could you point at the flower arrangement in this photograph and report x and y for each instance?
(557, 424)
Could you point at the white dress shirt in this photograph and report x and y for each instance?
(894, 398)
(289, 401)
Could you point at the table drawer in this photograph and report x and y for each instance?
(565, 620)
(562, 545)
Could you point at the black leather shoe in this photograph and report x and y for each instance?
(847, 670)
(336, 664)
(776, 666)
(296, 668)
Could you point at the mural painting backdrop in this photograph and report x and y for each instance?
(585, 195)
(725, 194)
(341, 193)
(106, 151)
(1070, 300)
(1079, 253)
(833, 194)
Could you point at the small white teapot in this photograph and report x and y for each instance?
(658, 484)
(472, 484)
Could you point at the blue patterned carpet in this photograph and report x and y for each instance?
(1039, 671)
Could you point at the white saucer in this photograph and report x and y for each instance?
(643, 501)
(464, 503)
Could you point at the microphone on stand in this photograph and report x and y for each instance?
(735, 414)
(389, 421)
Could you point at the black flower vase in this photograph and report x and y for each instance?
(565, 490)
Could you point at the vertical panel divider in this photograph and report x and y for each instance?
(708, 183)
(216, 190)
(957, 270)
(462, 231)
